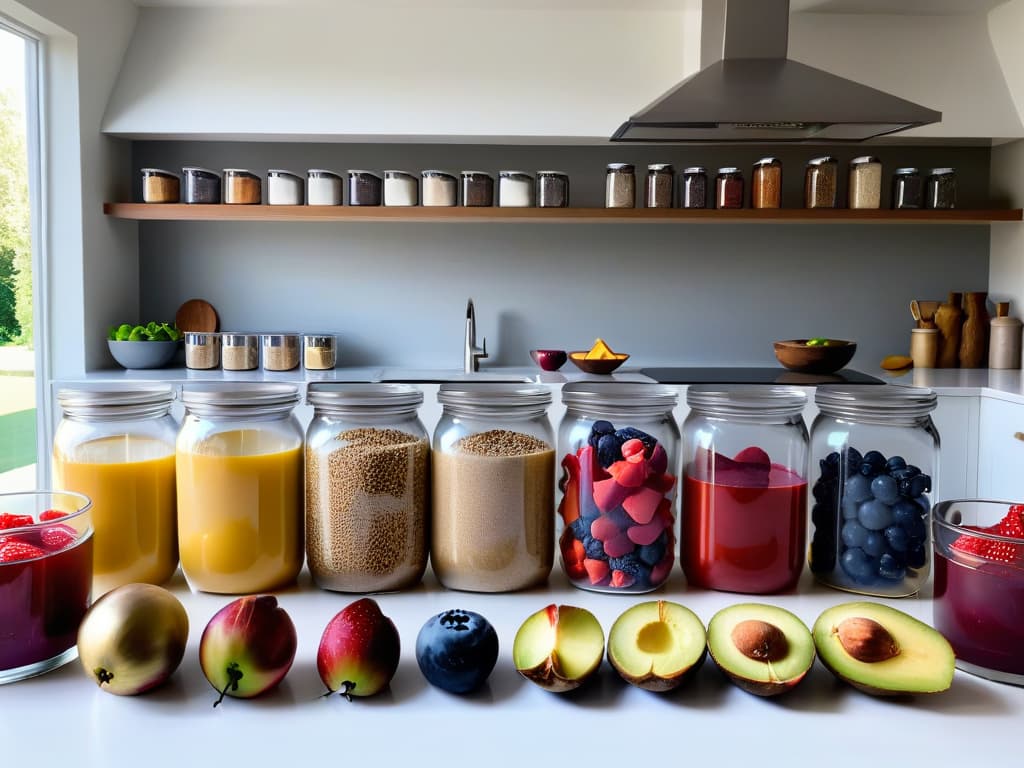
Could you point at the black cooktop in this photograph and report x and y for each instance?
(711, 375)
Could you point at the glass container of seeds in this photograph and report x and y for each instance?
(201, 185)
(323, 187)
(729, 188)
(766, 183)
(202, 350)
(319, 351)
(477, 189)
(493, 481)
(439, 189)
(693, 187)
(160, 186)
(907, 189)
(280, 351)
(240, 351)
(820, 182)
(364, 188)
(284, 187)
(659, 191)
(515, 189)
(400, 189)
(367, 487)
(552, 189)
(241, 187)
(940, 192)
(865, 186)
(620, 186)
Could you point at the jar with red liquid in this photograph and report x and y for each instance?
(618, 443)
(744, 488)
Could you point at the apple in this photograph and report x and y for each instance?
(359, 651)
(559, 647)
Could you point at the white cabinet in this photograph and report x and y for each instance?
(956, 419)
(1001, 454)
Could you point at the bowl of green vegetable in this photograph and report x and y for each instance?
(819, 355)
(144, 346)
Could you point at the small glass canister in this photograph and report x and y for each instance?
(693, 191)
(239, 487)
(160, 186)
(116, 445)
(280, 351)
(364, 188)
(400, 189)
(766, 183)
(440, 189)
(202, 350)
(875, 453)
(619, 445)
(493, 481)
(865, 186)
(729, 188)
(241, 187)
(319, 351)
(907, 189)
(659, 192)
(744, 505)
(202, 186)
(620, 186)
(552, 189)
(283, 187)
(515, 189)
(367, 487)
(820, 182)
(477, 189)
(941, 189)
(323, 187)
(240, 351)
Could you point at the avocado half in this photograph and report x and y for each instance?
(883, 651)
(764, 649)
(657, 645)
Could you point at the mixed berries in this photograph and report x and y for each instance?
(28, 545)
(617, 510)
(1011, 526)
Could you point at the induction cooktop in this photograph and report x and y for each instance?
(754, 375)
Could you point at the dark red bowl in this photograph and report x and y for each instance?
(549, 359)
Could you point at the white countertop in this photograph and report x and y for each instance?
(63, 719)
(967, 382)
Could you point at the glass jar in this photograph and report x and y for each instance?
(367, 486)
(440, 189)
(766, 185)
(907, 189)
(865, 186)
(493, 485)
(280, 351)
(116, 446)
(241, 187)
(820, 182)
(283, 187)
(875, 455)
(552, 189)
(323, 187)
(364, 188)
(159, 186)
(240, 351)
(619, 445)
(515, 189)
(202, 350)
(620, 186)
(729, 188)
(239, 482)
(401, 189)
(202, 186)
(319, 351)
(744, 511)
(659, 192)
(477, 189)
(941, 190)
(693, 192)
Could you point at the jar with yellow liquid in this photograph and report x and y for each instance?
(239, 471)
(116, 446)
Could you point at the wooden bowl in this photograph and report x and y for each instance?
(797, 356)
(580, 360)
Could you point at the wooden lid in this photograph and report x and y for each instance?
(196, 315)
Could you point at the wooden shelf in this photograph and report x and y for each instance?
(183, 212)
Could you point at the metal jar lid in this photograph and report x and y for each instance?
(479, 399)
(552, 174)
(354, 398)
(433, 174)
(195, 170)
(604, 399)
(942, 172)
(694, 169)
(476, 175)
(620, 168)
(397, 175)
(728, 170)
(201, 338)
(767, 161)
(864, 159)
(877, 403)
(280, 173)
(105, 401)
(240, 339)
(239, 399)
(823, 160)
(240, 172)
(280, 339)
(363, 174)
(743, 400)
(320, 173)
(515, 175)
(661, 168)
(319, 340)
(906, 171)
(159, 172)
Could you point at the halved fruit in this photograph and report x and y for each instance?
(883, 651)
(657, 645)
(559, 647)
(763, 649)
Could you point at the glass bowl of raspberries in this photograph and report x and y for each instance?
(979, 585)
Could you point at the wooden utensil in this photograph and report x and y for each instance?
(196, 315)
(924, 312)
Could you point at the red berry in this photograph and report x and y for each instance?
(1012, 525)
(973, 545)
(14, 549)
(9, 520)
(51, 514)
(57, 536)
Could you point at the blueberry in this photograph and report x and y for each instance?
(830, 465)
(875, 544)
(889, 568)
(885, 489)
(857, 488)
(895, 463)
(597, 429)
(850, 507)
(853, 461)
(824, 490)
(873, 464)
(917, 556)
(905, 512)
(924, 503)
(651, 554)
(823, 556)
(917, 532)
(822, 516)
(854, 534)
(593, 547)
(913, 470)
(609, 450)
(456, 650)
(897, 537)
(630, 433)
(875, 515)
(630, 564)
(920, 484)
(858, 565)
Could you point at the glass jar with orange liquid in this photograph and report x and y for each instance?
(239, 471)
(116, 446)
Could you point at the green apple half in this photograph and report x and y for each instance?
(559, 647)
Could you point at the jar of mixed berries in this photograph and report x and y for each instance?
(619, 445)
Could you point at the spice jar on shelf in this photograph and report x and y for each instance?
(400, 189)
(693, 188)
(620, 186)
(440, 189)
(821, 182)
(283, 187)
(240, 351)
(940, 192)
(766, 183)
(241, 187)
(367, 487)
(907, 189)
(477, 189)
(160, 186)
(202, 186)
(552, 189)
(729, 188)
(323, 187)
(515, 189)
(319, 351)
(659, 192)
(280, 351)
(865, 185)
(364, 188)
(202, 350)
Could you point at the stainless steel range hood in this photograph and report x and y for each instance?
(755, 94)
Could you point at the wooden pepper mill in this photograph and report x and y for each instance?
(974, 337)
(949, 319)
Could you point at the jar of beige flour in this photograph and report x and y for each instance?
(367, 480)
(493, 485)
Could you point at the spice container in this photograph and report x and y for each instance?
(319, 352)
(283, 188)
(515, 189)
(116, 445)
(820, 182)
(659, 192)
(160, 186)
(364, 188)
(477, 189)
(280, 351)
(744, 505)
(1004, 344)
(865, 187)
(400, 189)
(323, 187)
(941, 189)
(239, 485)
(201, 185)
(240, 351)
(729, 188)
(907, 189)
(493, 487)
(367, 487)
(241, 187)
(693, 191)
(766, 183)
(620, 186)
(202, 350)
(619, 445)
(552, 189)
(874, 451)
(440, 189)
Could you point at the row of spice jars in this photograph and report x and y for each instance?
(241, 351)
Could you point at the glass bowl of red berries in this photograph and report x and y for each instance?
(979, 585)
(45, 579)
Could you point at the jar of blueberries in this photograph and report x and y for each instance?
(874, 459)
(618, 444)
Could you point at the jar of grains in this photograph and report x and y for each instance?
(865, 187)
(202, 350)
(729, 188)
(364, 188)
(160, 186)
(620, 186)
(367, 486)
(941, 191)
(241, 187)
(319, 351)
(515, 189)
(493, 486)
(283, 187)
(400, 189)
(477, 189)
(202, 186)
(660, 188)
(280, 351)
(907, 189)
(820, 182)
(693, 191)
(239, 486)
(619, 444)
(766, 184)
(552, 189)
(439, 189)
(323, 187)
(240, 351)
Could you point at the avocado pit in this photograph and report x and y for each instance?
(759, 640)
(866, 640)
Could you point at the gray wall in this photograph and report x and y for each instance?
(664, 293)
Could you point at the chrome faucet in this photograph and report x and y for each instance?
(474, 354)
